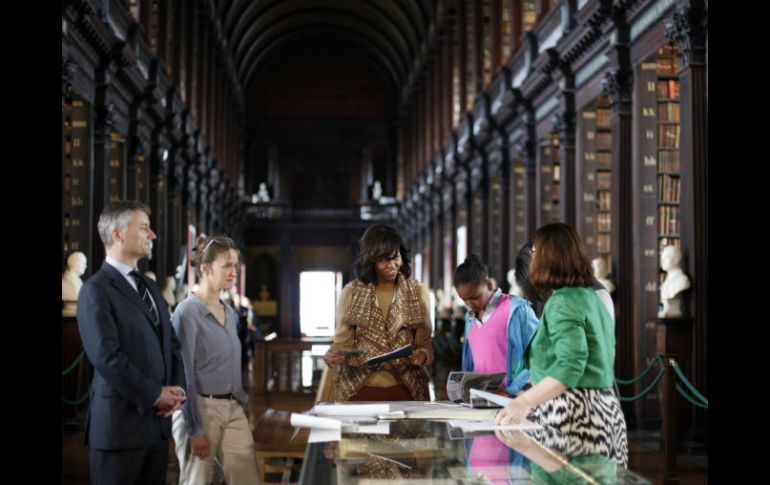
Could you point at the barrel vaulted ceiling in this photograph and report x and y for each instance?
(390, 34)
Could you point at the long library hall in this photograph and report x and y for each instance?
(349, 241)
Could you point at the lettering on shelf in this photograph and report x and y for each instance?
(649, 161)
(649, 221)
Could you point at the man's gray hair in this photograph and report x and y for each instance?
(116, 215)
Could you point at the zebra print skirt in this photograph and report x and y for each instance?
(583, 422)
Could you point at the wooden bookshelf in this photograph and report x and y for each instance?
(518, 223)
(116, 170)
(596, 178)
(668, 136)
(603, 165)
(550, 178)
(76, 177)
(657, 134)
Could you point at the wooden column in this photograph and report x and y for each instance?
(688, 28)
(617, 84)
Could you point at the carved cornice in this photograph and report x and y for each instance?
(617, 85)
(687, 27)
(68, 70)
(564, 122)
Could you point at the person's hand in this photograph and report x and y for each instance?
(513, 412)
(513, 438)
(333, 357)
(200, 446)
(171, 399)
(419, 357)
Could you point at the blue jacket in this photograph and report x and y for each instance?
(520, 327)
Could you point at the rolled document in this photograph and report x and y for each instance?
(308, 421)
(351, 409)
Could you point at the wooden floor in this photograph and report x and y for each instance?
(644, 459)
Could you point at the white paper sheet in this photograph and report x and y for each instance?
(489, 425)
(315, 422)
(490, 396)
(323, 435)
(351, 409)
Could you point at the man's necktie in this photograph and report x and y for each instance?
(145, 294)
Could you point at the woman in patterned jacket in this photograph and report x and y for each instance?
(382, 310)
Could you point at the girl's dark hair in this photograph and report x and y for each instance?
(472, 271)
(207, 249)
(380, 241)
(521, 265)
(560, 259)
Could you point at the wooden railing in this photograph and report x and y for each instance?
(278, 366)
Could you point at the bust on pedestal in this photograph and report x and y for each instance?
(674, 284)
(71, 283)
(601, 271)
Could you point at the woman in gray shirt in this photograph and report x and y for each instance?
(213, 416)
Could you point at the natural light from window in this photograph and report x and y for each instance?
(317, 299)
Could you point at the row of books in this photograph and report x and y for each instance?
(603, 180)
(668, 189)
(603, 140)
(668, 220)
(603, 243)
(668, 112)
(603, 200)
(668, 88)
(668, 161)
(603, 222)
(555, 192)
(604, 160)
(668, 136)
(602, 117)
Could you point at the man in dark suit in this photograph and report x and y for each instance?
(138, 372)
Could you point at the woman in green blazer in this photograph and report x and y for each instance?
(572, 354)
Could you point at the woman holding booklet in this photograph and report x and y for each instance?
(382, 341)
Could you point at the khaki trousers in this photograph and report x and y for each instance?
(231, 444)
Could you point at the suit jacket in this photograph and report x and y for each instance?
(132, 360)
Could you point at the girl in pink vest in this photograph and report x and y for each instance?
(498, 326)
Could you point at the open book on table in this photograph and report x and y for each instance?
(459, 385)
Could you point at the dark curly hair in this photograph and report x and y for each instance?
(380, 241)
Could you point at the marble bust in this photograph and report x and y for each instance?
(601, 271)
(674, 284)
(71, 282)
